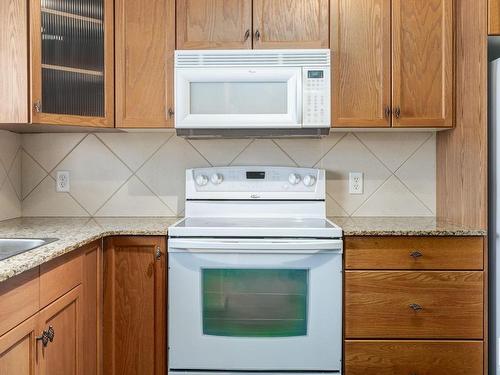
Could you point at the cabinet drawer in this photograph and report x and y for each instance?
(378, 304)
(60, 276)
(19, 299)
(413, 357)
(390, 253)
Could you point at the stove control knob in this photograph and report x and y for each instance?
(309, 180)
(216, 178)
(294, 178)
(201, 180)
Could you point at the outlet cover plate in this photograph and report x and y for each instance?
(62, 181)
(355, 182)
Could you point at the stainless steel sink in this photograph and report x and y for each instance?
(13, 246)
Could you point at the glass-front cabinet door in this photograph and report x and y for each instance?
(72, 62)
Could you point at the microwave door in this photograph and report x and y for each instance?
(238, 97)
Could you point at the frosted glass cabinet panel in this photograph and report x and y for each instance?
(72, 62)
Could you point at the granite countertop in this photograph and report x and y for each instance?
(72, 234)
(402, 226)
(76, 232)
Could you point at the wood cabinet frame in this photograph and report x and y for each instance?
(36, 74)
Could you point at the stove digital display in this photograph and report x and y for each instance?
(253, 175)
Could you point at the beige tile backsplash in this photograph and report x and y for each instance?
(142, 174)
(10, 175)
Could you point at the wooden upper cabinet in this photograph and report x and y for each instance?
(214, 24)
(144, 48)
(422, 34)
(291, 23)
(361, 63)
(72, 57)
(494, 17)
(134, 330)
(14, 61)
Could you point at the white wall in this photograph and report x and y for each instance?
(10, 175)
(142, 174)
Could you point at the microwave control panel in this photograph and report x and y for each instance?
(316, 98)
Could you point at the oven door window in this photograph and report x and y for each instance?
(255, 302)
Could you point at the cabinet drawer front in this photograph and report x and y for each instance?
(414, 304)
(59, 277)
(19, 299)
(439, 253)
(413, 357)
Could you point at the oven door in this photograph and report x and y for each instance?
(255, 304)
(238, 97)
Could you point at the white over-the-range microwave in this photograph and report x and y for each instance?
(252, 92)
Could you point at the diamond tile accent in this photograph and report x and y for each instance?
(49, 149)
(134, 199)
(165, 172)
(308, 152)
(45, 201)
(134, 148)
(95, 173)
(32, 174)
(9, 145)
(418, 173)
(10, 205)
(220, 152)
(262, 152)
(393, 149)
(350, 155)
(15, 174)
(333, 208)
(393, 199)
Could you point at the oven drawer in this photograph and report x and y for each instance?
(414, 304)
(392, 253)
(413, 357)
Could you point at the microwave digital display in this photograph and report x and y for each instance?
(315, 74)
(256, 175)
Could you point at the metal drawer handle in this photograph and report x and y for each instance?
(388, 112)
(44, 338)
(397, 112)
(158, 253)
(416, 254)
(247, 35)
(416, 307)
(257, 35)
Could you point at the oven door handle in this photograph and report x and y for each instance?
(259, 246)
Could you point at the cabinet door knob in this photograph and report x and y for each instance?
(397, 112)
(44, 338)
(158, 253)
(170, 113)
(37, 106)
(51, 333)
(257, 34)
(387, 111)
(416, 254)
(416, 307)
(247, 35)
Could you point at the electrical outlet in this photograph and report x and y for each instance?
(356, 183)
(62, 181)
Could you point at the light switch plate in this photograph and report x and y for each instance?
(355, 182)
(62, 181)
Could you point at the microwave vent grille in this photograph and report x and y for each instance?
(208, 58)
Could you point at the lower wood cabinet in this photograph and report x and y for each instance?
(134, 329)
(64, 352)
(410, 311)
(18, 349)
(413, 357)
(60, 336)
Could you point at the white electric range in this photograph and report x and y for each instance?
(255, 274)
